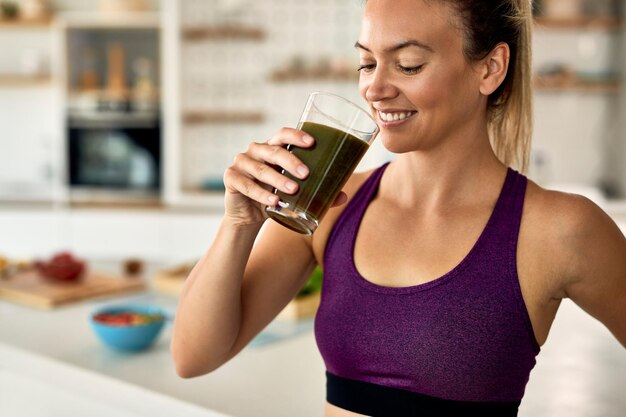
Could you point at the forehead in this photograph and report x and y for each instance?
(389, 22)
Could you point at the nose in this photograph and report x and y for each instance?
(377, 86)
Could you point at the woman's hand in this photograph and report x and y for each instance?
(253, 175)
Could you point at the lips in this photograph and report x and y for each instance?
(394, 116)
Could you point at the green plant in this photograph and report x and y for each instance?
(314, 284)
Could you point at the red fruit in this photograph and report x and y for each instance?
(63, 267)
(63, 257)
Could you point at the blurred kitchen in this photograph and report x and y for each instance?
(117, 121)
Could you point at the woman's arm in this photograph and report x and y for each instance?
(239, 286)
(596, 254)
(234, 291)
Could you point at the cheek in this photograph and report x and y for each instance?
(425, 93)
(442, 88)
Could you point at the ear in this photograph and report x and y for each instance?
(493, 68)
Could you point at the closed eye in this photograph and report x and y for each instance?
(410, 70)
(366, 68)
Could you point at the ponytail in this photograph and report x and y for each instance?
(487, 24)
(511, 121)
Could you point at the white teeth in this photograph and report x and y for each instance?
(390, 117)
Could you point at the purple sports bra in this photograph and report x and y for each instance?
(465, 337)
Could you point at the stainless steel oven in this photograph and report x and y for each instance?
(114, 156)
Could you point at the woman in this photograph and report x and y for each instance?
(445, 269)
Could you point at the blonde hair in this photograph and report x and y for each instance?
(487, 24)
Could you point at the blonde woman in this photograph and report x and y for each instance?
(444, 269)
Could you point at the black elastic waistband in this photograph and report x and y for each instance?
(380, 401)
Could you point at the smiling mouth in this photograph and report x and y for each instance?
(395, 116)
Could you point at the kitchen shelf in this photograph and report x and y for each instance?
(281, 76)
(25, 24)
(201, 33)
(608, 23)
(104, 21)
(550, 85)
(24, 80)
(209, 116)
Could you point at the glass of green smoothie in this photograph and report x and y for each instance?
(343, 132)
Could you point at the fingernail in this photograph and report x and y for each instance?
(290, 185)
(302, 170)
(308, 139)
(272, 199)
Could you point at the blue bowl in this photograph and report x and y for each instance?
(128, 337)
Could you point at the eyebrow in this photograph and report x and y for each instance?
(399, 46)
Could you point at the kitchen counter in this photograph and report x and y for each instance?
(55, 352)
(57, 348)
(55, 357)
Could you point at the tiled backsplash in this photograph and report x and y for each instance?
(236, 75)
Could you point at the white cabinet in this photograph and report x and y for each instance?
(31, 232)
(165, 236)
(29, 123)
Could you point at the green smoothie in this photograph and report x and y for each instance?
(331, 161)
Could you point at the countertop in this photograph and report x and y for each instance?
(51, 364)
(279, 374)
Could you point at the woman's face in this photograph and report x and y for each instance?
(419, 85)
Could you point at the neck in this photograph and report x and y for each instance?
(458, 172)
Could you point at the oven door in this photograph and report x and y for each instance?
(114, 159)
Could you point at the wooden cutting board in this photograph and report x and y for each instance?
(29, 288)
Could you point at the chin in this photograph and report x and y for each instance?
(395, 145)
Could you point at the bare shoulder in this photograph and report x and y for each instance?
(323, 232)
(563, 214)
(570, 220)
(583, 249)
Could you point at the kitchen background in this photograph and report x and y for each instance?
(118, 118)
(148, 110)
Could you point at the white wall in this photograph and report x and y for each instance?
(578, 134)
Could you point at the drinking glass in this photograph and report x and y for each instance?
(343, 133)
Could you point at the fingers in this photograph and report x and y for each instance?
(253, 174)
(274, 155)
(237, 183)
(266, 174)
(289, 136)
